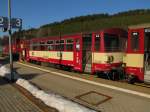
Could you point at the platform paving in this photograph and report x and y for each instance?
(11, 100)
(118, 102)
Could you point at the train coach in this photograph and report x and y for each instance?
(96, 52)
(137, 57)
(15, 49)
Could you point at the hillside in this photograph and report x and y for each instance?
(88, 23)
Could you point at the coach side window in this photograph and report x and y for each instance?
(69, 44)
(50, 45)
(135, 41)
(42, 46)
(35, 46)
(59, 45)
(62, 42)
(97, 43)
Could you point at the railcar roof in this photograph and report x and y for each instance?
(108, 30)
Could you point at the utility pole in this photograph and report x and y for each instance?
(10, 40)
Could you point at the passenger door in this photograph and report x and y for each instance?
(135, 52)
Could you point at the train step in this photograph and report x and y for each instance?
(87, 68)
(147, 76)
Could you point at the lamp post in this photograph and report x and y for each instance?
(10, 40)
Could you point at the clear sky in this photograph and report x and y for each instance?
(38, 12)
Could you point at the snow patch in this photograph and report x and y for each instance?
(5, 72)
(51, 99)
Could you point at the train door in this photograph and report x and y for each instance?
(147, 55)
(78, 54)
(138, 59)
(87, 53)
(135, 55)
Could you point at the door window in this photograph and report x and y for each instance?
(77, 45)
(97, 43)
(135, 41)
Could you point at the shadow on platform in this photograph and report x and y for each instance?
(2, 81)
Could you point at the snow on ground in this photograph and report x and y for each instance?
(51, 99)
(5, 72)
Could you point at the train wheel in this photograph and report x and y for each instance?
(131, 79)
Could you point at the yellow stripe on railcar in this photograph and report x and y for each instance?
(134, 60)
(103, 57)
(52, 55)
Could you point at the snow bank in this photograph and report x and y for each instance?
(51, 99)
(5, 72)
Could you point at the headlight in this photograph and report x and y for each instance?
(123, 65)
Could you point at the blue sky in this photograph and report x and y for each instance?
(38, 12)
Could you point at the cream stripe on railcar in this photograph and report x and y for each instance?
(52, 55)
(67, 56)
(44, 54)
(134, 60)
(102, 57)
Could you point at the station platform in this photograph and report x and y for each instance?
(11, 100)
(87, 90)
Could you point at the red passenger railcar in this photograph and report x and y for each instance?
(15, 49)
(91, 52)
(137, 58)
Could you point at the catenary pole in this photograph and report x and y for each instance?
(10, 40)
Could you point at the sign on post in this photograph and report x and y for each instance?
(16, 23)
(3, 22)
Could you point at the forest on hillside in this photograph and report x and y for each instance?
(87, 23)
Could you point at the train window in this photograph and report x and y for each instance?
(135, 41)
(97, 43)
(62, 47)
(42, 46)
(42, 42)
(62, 41)
(59, 47)
(50, 42)
(34, 45)
(69, 44)
(111, 42)
(146, 42)
(51, 47)
(57, 41)
(69, 41)
(78, 45)
(69, 47)
(122, 43)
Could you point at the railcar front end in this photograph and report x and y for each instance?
(108, 52)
